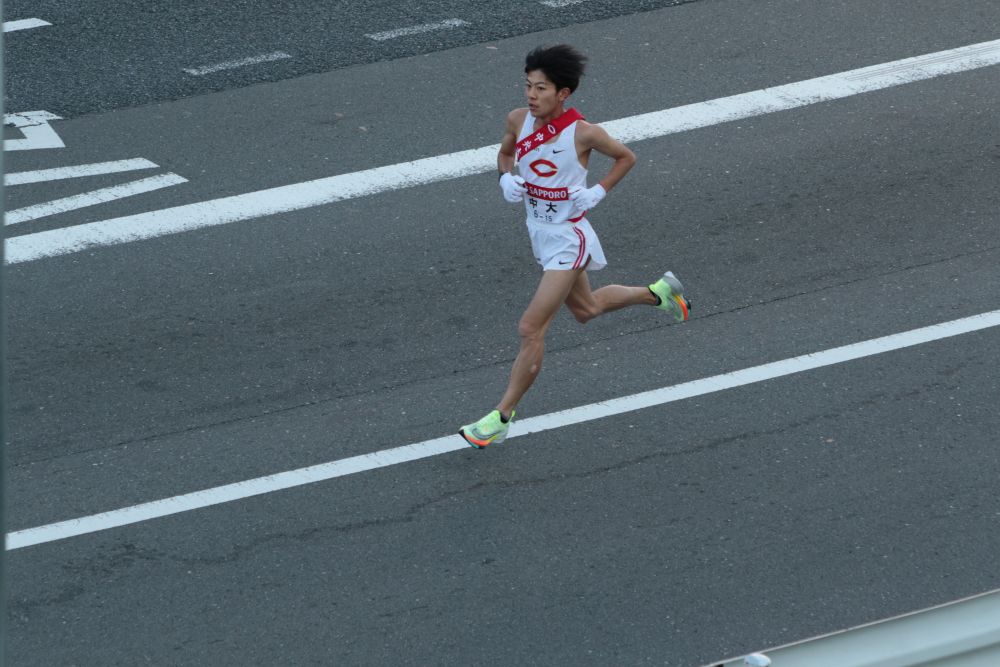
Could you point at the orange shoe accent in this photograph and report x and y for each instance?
(475, 443)
(682, 302)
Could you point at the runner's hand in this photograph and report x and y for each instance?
(585, 199)
(513, 188)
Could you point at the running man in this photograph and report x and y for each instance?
(550, 146)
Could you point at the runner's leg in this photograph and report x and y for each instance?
(586, 305)
(551, 294)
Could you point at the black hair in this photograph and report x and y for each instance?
(562, 65)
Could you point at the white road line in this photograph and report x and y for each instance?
(77, 171)
(417, 29)
(421, 450)
(23, 24)
(561, 3)
(233, 64)
(92, 198)
(465, 163)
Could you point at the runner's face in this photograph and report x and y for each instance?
(543, 98)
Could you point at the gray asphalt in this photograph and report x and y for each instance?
(108, 55)
(674, 535)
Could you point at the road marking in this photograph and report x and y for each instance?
(421, 450)
(417, 29)
(24, 24)
(77, 171)
(332, 189)
(233, 64)
(92, 198)
(561, 3)
(34, 125)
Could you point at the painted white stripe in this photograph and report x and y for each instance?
(24, 24)
(421, 450)
(233, 64)
(417, 29)
(429, 170)
(561, 3)
(92, 198)
(804, 93)
(77, 171)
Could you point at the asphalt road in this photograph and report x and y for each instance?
(106, 55)
(673, 535)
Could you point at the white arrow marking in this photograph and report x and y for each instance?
(36, 129)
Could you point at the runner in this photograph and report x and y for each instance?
(550, 146)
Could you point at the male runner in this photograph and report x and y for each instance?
(550, 146)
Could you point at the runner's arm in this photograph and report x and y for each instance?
(596, 138)
(505, 159)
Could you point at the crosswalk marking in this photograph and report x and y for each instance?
(76, 171)
(92, 198)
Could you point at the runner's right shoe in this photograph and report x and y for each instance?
(670, 292)
(488, 430)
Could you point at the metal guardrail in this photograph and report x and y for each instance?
(964, 633)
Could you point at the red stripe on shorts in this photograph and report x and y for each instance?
(583, 248)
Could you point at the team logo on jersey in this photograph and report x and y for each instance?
(544, 168)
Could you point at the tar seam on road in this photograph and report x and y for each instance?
(421, 450)
(284, 199)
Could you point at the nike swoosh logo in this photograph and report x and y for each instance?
(565, 262)
(562, 151)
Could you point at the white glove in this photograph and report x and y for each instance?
(585, 199)
(513, 188)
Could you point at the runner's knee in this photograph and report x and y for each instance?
(584, 313)
(530, 330)
(583, 310)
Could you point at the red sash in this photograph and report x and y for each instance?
(536, 139)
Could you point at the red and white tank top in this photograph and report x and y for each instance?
(549, 170)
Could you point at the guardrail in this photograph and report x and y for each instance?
(964, 633)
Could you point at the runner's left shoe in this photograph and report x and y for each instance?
(488, 430)
(670, 291)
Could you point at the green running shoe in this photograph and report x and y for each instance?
(487, 430)
(670, 291)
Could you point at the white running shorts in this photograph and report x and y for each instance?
(566, 246)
